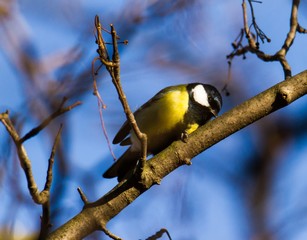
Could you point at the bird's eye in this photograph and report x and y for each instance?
(210, 99)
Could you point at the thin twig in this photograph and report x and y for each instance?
(108, 233)
(248, 34)
(159, 234)
(300, 29)
(82, 196)
(51, 160)
(259, 33)
(101, 106)
(61, 110)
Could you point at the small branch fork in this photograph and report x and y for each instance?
(253, 39)
(39, 197)
(113, 67)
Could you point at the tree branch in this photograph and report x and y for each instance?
(253, 46)
(113, 68)
(111, 235)
(97, 214)
(82, 196)
(61, 110)
(39, 197)
(45, 218)
(159, 234)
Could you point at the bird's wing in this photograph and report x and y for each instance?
(122, 133)
(125, 129)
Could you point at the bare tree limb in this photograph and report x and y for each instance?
(97, 214)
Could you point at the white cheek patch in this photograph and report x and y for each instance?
(200, 95)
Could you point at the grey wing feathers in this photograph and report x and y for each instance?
(122, 133)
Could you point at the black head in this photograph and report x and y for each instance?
(205, 96)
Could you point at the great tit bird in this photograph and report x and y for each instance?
(173, 112)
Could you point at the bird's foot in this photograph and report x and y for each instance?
(184, 137)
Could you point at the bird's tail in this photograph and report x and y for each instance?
(123, 165)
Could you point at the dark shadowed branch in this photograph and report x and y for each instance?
(159, 234)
